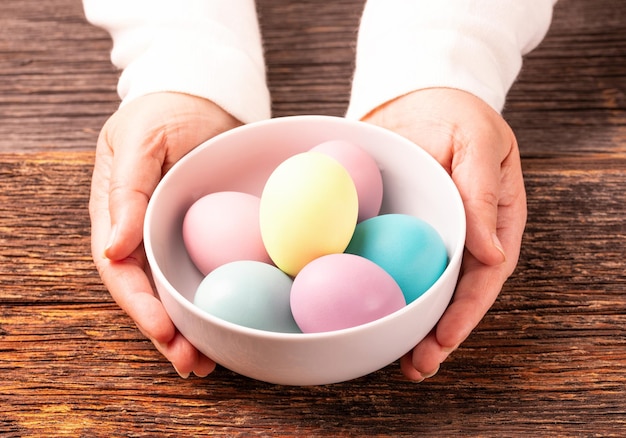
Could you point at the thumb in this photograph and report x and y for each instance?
(135, 172)
(478, 176)
(147, 136)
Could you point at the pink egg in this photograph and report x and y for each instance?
(223, 227)
(339, 291)
(363, 170)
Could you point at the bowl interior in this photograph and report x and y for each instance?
(242, 160)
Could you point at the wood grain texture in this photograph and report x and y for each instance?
(571, 94)
(57, 85)
(547, 360)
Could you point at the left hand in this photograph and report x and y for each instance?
(479, 150)
(136, 147)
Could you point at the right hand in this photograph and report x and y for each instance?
(479, 150)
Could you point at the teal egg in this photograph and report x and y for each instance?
(249, 293)
(408, 248)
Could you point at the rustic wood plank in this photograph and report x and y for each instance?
(57, 85)
(44, 231)
(548, 357)
(570, 98)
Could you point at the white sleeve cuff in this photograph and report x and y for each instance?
(472, 45)
(207, 48)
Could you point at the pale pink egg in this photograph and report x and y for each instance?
(364, 172)
(339, 291)
(223, 227)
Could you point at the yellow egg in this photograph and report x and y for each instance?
(309, 208)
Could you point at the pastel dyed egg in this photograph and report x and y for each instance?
(308, 209)
(339, 291)
(363, 170)
(248, 293)
(407, 247)
(223, 227)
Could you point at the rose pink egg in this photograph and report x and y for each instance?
(339, 291)
(363, 170)
(223, 227)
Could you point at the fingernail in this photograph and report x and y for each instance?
(204, 374)
(183, 375)
(429, 375)
(498, 245)
(450, 349)
(112, 237)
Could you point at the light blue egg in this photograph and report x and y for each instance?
(249, 293)
(408, 248)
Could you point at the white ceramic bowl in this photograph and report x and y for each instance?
(241, 160)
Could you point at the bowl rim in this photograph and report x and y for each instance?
(293, 337)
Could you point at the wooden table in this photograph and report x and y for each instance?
(549, 358)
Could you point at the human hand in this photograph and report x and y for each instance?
(479, 150)
(136, 147)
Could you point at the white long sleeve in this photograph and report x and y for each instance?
(207, 48)
(473, 45)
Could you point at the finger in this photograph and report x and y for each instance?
(424, 360)
(131, 289)
(204, 366)
(407, 368)
(476, 292)
(185, 358)
(125, 279)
